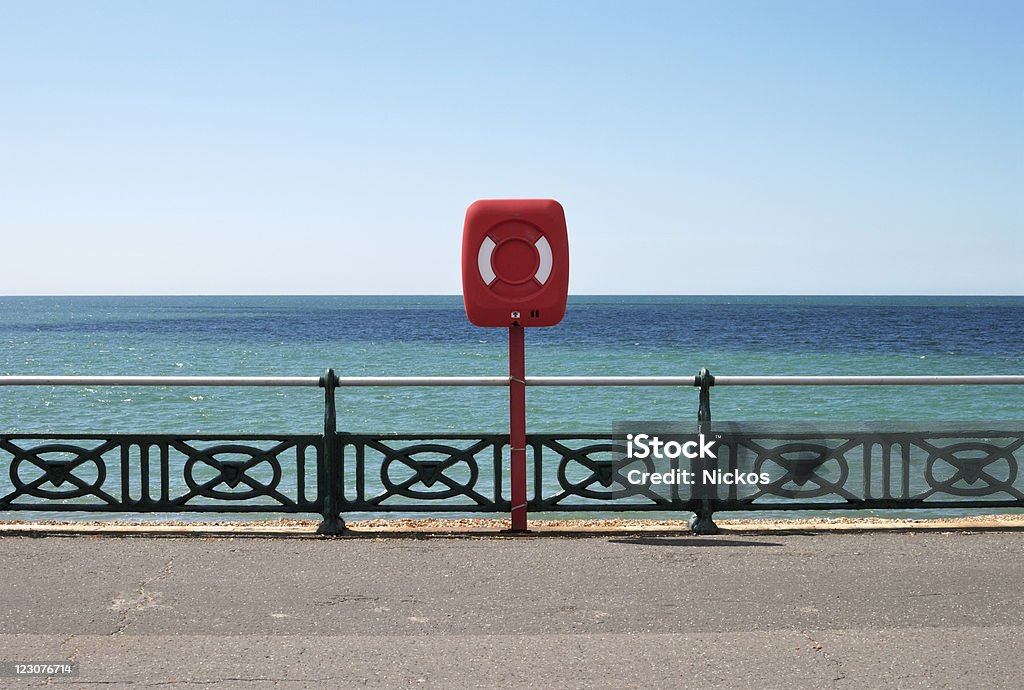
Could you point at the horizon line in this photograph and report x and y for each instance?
(584, 294)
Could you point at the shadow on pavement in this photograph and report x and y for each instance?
(689, 541)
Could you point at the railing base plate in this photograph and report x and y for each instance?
(703, 525)
(335, 526)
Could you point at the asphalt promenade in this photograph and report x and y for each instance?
(806, 610)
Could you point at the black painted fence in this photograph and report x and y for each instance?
(381, 473)
(336, 473)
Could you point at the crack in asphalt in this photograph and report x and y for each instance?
(817, 646)
(139, 601)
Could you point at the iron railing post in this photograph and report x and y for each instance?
(706, 493)
(329, 477)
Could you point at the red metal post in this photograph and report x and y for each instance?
(517, 423)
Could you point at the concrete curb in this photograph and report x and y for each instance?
(378, 529)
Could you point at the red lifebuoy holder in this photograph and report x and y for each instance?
(515, 262)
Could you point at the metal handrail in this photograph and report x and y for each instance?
(994, 380)
(990, 380)
(159, 381)
(687, 381)
(497, 381)
(419, 381)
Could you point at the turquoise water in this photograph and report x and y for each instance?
(303, 336)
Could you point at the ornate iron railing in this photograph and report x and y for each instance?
(162, 473)
(336, 473)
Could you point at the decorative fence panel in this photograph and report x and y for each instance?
(407, 473)
(161, 473)
(842, 470)
(337, 473)
(445, 473)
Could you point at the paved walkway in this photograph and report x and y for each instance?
(925, 609)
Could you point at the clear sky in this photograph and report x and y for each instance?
(736, 147)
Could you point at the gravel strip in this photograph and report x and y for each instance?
(473, 525)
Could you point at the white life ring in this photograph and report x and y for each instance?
(486, 254)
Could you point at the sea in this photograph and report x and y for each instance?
(430, 336)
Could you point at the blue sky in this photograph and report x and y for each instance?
(332, 147)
